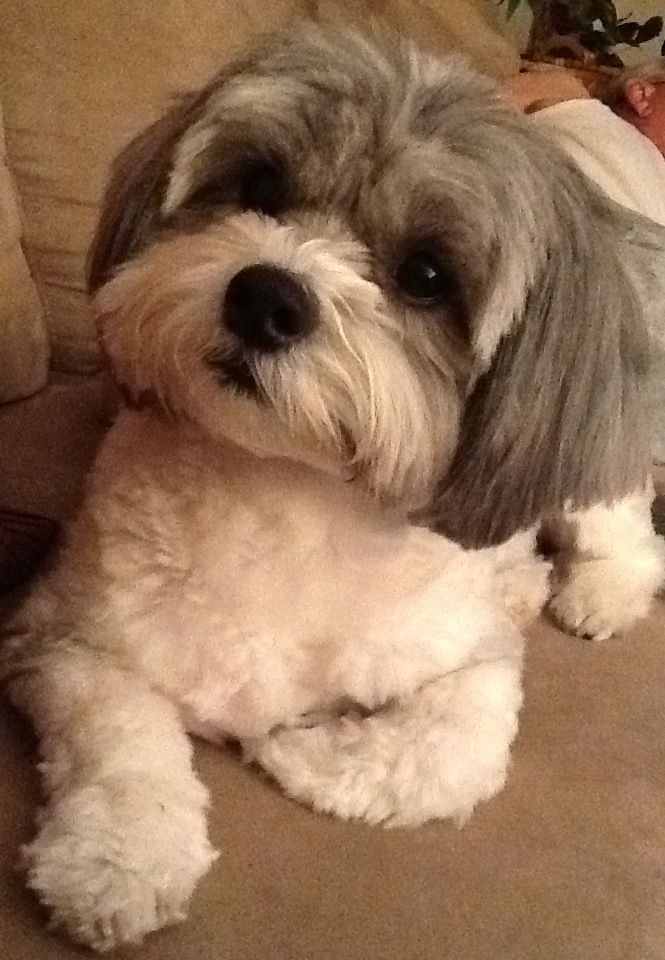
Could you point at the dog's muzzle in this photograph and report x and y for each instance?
(268, 309)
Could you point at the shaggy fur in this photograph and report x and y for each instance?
(423, 345)
(208, 591)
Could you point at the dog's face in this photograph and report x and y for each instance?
(338, 252)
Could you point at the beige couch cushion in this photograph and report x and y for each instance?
(23, 341)
(79, 79)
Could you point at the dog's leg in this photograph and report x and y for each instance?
(122, 838)
(434, 754)
(609, 564)
(520, 575)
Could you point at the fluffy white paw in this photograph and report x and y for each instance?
(360, 787)
(525, 589)
(520, 575)
(603, 597)
(113, 862)
(434, 757)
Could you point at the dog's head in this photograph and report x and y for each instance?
(354, 254)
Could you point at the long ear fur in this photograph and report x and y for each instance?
(133, 198)
(644, 246)
(132, 203)
(557, 420)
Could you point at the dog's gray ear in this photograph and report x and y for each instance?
(132, 201)
(644, 247)
(557, 418)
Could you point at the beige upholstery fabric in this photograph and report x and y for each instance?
(79, 78)
(23, 341)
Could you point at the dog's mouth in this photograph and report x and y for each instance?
(349, 452)
(236, 371)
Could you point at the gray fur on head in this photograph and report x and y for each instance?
(559, 416)
(516, 392)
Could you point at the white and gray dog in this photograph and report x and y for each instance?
(355, 302)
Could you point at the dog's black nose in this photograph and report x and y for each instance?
(267, 308)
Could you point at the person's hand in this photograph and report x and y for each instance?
(639, 94)
(643, 106)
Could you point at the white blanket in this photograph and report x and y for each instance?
(621, 160)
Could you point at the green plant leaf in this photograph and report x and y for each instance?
(606, 13)
(626, 32)
(649, 30)
(594, 40)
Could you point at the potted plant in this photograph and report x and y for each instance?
(587, 32)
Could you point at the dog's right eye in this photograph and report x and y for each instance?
(423, 278)
(263, 188)
(259, 186)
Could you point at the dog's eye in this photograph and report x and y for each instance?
(423, 277)
(209, 195)
(263, 188)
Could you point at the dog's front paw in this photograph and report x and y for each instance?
(600, 598)
(318, 766)
(330, 769)
(115, 862)
(433, 756)
(524, 589)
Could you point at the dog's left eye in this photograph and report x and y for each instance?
(423, 277)
(263, 188)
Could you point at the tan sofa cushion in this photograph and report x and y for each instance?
(79, 79)
(23, 341)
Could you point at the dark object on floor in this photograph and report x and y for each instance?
(25, 540)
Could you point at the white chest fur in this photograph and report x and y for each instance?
(252, 591)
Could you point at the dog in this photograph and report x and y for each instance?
(353, 301)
